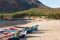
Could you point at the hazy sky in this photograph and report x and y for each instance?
(51, 3)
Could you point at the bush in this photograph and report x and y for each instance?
(22, 15)
(37, 14)
(1, 16)
(53, 15)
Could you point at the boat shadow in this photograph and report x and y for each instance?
(32, 37)
(41, 31)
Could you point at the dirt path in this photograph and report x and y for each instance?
(48, 30)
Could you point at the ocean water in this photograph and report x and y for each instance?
(1, 21)
(7, 20)
(4, 23)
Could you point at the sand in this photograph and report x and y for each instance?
(48, 30)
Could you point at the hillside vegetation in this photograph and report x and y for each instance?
(47, 12)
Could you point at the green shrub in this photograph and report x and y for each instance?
(1, 16)
(37, 14)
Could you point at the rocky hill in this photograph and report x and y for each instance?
(17, 5)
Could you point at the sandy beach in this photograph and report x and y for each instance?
(48, 30)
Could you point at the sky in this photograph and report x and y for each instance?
(51, 3)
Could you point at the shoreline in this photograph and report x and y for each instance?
(21, 22)
(47, 30)
(14, 23)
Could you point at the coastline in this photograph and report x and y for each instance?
(48, 30)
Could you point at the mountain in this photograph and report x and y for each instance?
(19, 5)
